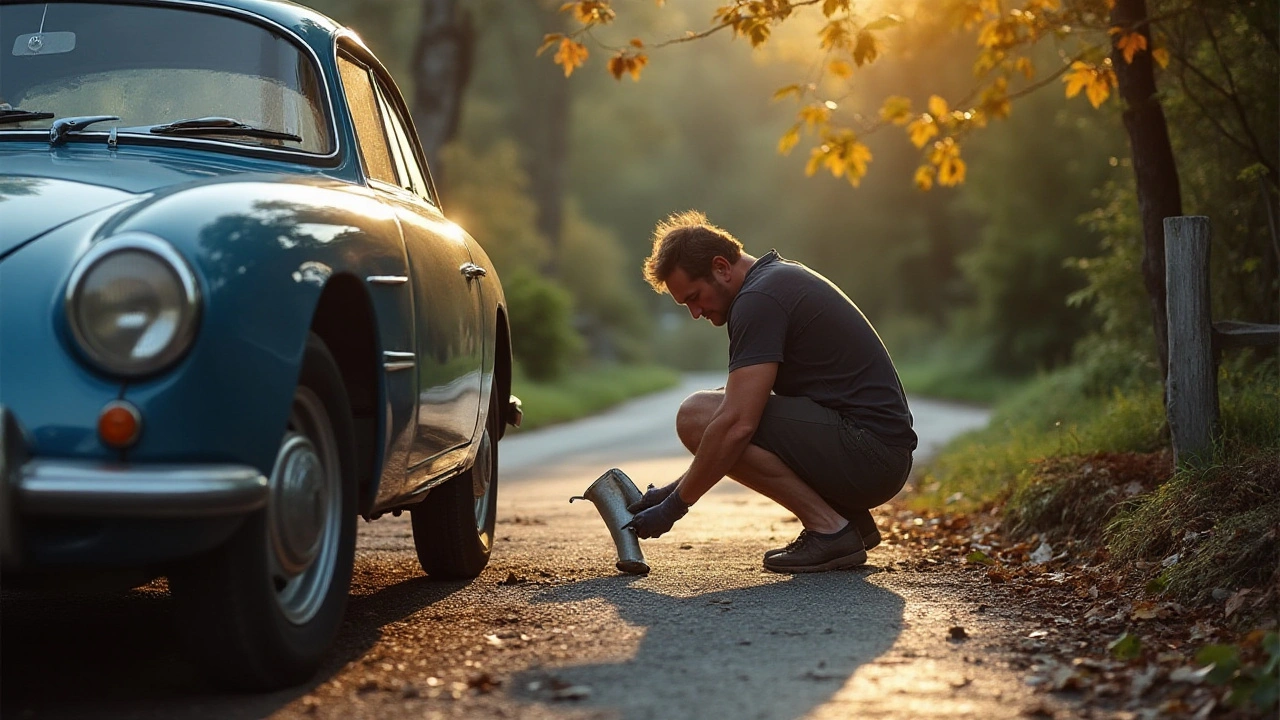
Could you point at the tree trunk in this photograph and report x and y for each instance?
(442, 65)
(1154, 167)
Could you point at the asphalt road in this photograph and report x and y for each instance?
(552, 630)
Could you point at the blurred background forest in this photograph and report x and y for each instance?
(1031, 264)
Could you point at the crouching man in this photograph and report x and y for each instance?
(813, 415)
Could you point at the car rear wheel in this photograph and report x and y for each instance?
(453, 525)
(261, 610)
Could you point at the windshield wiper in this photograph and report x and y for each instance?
(221, 126)
(12, 115)
(61, 127)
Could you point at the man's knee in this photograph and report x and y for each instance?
(694, 416)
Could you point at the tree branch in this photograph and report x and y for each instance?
(1234, 97)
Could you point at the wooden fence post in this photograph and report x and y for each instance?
(1191, 391)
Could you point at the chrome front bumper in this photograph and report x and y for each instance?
(49, 487)
(87, 489)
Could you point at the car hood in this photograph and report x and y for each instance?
(40, 191)
(32, 206)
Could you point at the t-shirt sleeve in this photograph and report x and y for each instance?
(757, 331)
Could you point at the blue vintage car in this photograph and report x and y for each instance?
(233, 320)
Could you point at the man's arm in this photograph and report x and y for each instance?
(730, 430)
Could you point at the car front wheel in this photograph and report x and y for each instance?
(453, 525)
(261, 611)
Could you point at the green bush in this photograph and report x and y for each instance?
(542, 335)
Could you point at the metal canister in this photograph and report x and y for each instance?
(611, 493)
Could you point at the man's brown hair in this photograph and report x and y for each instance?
(687, 241)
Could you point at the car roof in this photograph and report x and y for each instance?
(312, 26)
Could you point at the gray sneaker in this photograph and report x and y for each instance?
(810, 553)
(869, 541)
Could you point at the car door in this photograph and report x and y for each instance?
(446, 291)
(390, 294)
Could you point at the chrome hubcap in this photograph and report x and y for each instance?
(304, 510)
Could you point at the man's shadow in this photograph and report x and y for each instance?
(774, 650)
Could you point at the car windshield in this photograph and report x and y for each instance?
(153, 65)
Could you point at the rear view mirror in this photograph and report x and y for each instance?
(44, 43)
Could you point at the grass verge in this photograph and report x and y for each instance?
(1094, 472)
(939, 378)
(581, 392)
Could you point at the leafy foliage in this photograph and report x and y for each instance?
(1006, 39)
(540, 313)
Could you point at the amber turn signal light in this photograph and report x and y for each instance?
(119, 424)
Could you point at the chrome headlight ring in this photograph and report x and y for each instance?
(133, 305)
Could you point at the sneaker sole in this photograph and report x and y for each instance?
(868, 542)
(841, 563)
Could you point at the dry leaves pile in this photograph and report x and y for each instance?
(1102, 636)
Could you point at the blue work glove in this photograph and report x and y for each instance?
(658, 519)
(652, 497)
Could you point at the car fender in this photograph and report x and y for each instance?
(264, 250)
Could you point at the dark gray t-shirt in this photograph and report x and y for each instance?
(826, 349)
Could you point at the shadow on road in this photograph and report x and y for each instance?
(775, 650)
(115, 654)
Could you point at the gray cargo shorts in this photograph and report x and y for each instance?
(849, 467)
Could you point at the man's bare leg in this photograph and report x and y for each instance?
(759, 469)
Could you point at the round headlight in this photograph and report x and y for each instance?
(133, 304)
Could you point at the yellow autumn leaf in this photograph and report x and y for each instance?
(921, 129)
(835, 35)
(836, 163)
(897, 110)
(995, 99)
(924, 177)
(968, 14)
(942, 150)
(858, 156)
(937, 106)
(635, 64)
(867, 48)
(570, 55)
(951, 172)
(816, 157)
(1100, 87)
(1078, 78)
(789, 140)
(1130, 44)
(1161, 56)
(831, 7)
(637, 43)
(782, 92)
(590, 12)
(1025, 66)
(840, 69)
(815, 115)
(548, 41)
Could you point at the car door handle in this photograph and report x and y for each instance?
(471, 271)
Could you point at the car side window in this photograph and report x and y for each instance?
(365, 115)
(414, 180)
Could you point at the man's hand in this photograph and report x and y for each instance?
(652, 497)
(658, 519)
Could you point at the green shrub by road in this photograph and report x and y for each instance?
(584, 391)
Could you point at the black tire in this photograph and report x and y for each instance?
(453, 525)
(251, 623)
